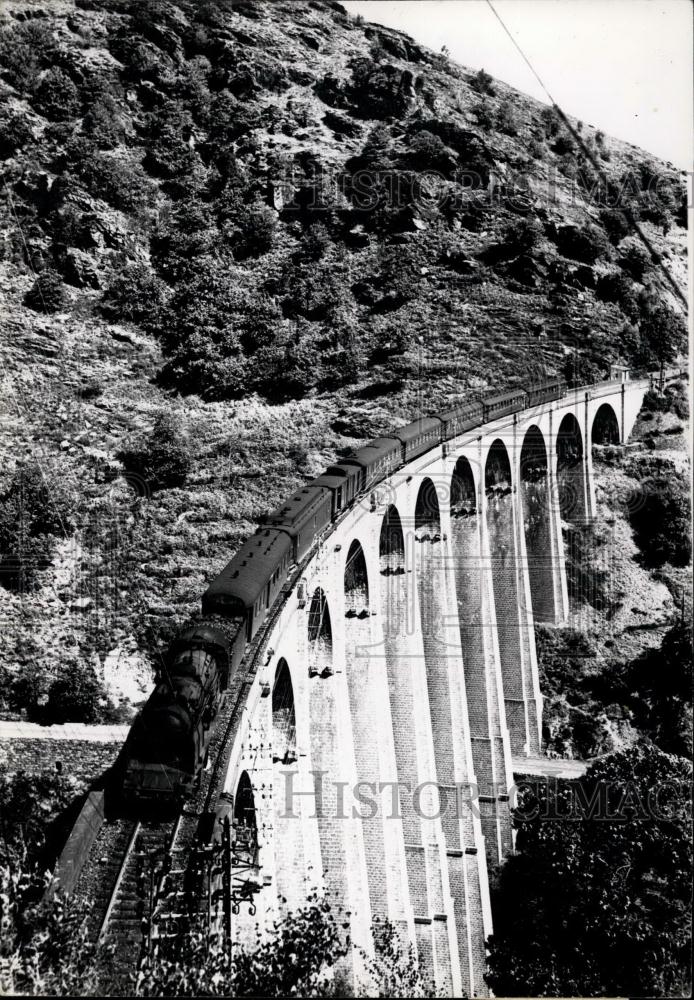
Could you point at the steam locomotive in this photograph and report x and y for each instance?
(167, 745)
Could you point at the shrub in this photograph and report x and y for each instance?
(14, 133)
(616, 287)
(564, 145)
(290, 366)
(122, 183)
(208, 325)
(24, 50)
(47, 948)
(47, 294)
(506, 119)
(192, 964)
(661, 522)
(427, 152)
(180, 241)
(316, 242)
(484, 114)
(615, 224)
(56, 96)
(635, 259)
(102, 124)
(254, 232)
(162, 458)
(73, 696)
(166, 135)
(524, 235)
(550, 121)
(585, 244)
(483, 83)
(134, 294)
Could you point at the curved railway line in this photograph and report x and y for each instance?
(123, 902)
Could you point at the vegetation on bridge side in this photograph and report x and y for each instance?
(622, 667)
(596, 902)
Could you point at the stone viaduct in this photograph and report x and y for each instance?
(399, 685)
(373, 740)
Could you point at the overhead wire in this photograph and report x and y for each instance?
(628, 214)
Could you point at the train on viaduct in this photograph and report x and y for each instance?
(367, 742)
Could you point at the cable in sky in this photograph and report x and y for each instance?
(626, 211)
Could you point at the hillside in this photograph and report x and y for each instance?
(273, 231)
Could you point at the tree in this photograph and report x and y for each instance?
(210, 326)
(35, 509)
(483, 83)
(161, 458)
(585, 244)
(614, 223)
(659, 686)
(14, 133)
(597, 899)
(56, 96)
(254, 231)
(47, 294)
(663, 331)
(73, 696)
(661, 519)
(292, 960)
(635, 259)
(134, 293)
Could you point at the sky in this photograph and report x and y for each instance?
(624, 66)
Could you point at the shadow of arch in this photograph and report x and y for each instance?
(497, 469)
(244, 803)
(536, 523)
(391, 545)
(426, 514)
(283, 716)
(356, 582)
(533, 460)
(605, 429)
(320, 636)
(502, 553)
(463, 495)
(570, 474)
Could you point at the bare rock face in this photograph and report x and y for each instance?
(80, 270)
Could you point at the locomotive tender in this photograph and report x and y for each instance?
(167, 745)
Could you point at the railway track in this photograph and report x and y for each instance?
(134, 873)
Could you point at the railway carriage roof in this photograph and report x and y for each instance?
(247, 574)
(501, 397)
(464, 408)
(299, 506)
(417, 427)
(328, 481)
(373, 451)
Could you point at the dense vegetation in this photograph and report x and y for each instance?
(601, 689)
(225, 201)
(597, 901)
